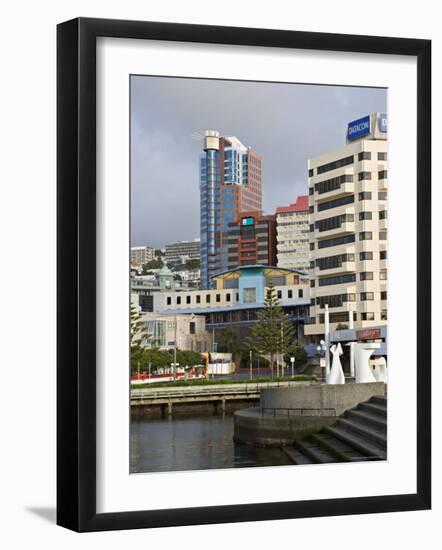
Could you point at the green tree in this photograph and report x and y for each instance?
(153, 264)
(138, 337)
(272, 333)
(297, 351)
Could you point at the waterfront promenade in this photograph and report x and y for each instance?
(214, 397)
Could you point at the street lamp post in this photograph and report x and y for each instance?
(174, 347)
(327, 340)
(292, 361)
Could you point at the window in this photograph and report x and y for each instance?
(290, 293)
(365, 155)
(365, 256)
(336, 164)
(312, 264)
(365, 216)
(312, 246)
(312, 227)
(310, 172)
(383, 275)
(382, 214)
(311, 209)
(367, 316)
(312, 283)
(336, 202)
(198, 299)
(367, 296)
(331, 262)
(365, 236)
(383, 314)
(364, 176)
(311, 191)
(382, 174)
(187, 299)
(333, 223)
(382, 156)
(169, 301)
(366, 276)
(382, 195)
(207, 298)
(228, 297)
(192, 327)
(384, 295)
(178, 300)
(332, 184)
(365, 196)
(336, 241)
(249, 295)
(218, 298)
(279, 294)
(335, 300)
(337, 280)
(383, 255)
(382, 235)
(300, 293)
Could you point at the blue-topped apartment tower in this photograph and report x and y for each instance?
(230, 182)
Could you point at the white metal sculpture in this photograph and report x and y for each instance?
(336, 375)
(363, 371)
(380, 370)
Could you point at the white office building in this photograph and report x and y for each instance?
(348, 229)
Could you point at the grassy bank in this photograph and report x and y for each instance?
(211, 382)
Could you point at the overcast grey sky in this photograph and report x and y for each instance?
(284, 123)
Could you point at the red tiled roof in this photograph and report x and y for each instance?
(301, 205)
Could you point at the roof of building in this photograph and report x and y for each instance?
(268, 269)
(301, 205)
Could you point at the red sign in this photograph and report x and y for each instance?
(368, 334)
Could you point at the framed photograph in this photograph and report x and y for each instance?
(235, 307)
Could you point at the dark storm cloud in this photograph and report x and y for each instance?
(285, 123)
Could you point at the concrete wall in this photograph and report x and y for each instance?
(340, 397)
(266, 426)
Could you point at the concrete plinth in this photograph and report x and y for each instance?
(288, 414)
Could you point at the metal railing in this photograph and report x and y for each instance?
(299, 411)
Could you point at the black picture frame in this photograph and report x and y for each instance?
(76, 273)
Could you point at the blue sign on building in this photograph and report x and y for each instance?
(358, 128)
(383, 122)
(248, 221)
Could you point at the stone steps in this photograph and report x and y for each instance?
(360, 435)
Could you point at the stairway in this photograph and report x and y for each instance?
(360, 434)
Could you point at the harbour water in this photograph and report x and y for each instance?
(193, 443)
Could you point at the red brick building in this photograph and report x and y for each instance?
(251, 240)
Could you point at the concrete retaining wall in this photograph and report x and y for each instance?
(269, 425)
(321, 396)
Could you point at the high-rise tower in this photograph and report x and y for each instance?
(230, 182)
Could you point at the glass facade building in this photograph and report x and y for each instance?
(230, 181)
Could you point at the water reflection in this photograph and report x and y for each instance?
(195, 443)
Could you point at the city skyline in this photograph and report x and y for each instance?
(169, 115)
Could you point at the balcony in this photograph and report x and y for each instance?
(382, 184)
(346, 228)
(346, 188)
(345, 267)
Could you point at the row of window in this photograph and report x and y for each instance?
(332, 184)
(334, 222)
(342, 317)
(338, 300)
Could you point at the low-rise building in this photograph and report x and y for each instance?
(141, 254)
(185, 331)
(239, 294)
(182, 251)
